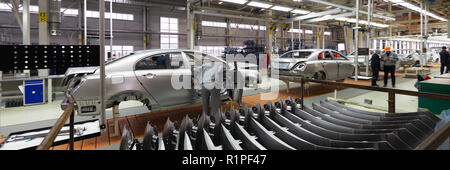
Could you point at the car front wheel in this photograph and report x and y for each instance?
(319, 76)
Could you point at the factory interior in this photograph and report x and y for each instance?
(287, 75)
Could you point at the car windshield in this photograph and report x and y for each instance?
(296, 54)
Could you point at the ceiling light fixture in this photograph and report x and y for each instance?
(259, 4)
(417, 9)
(236, 1)
(300, 11)
(281, 8)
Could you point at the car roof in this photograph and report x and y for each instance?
(311, 50)
(139, 54)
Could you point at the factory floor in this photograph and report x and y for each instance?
(135, 116)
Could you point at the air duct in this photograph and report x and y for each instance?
(54, 21)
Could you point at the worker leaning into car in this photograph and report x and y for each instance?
(445, 59)
(375, 65)
(209, 76)
(389, 60)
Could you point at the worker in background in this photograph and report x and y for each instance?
(445, 59)
(375, 65)
(389, 60)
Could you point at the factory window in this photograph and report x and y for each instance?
(71, 12)
(214, 24)
(168, 25)
(119, 50)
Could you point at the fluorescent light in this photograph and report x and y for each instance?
(259, 4)
(236, 1)
(342, 19)
(281, 8)
(328, 17)
(317, 14)
(300, 11)
(353, 20)
(417, 9)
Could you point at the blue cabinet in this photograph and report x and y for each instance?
(33, 92)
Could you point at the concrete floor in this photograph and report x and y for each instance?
(36, 116)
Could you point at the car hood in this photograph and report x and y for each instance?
(286, 63)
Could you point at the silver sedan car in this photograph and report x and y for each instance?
(144, 76)
(321, 64)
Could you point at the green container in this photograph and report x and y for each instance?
(437, 86)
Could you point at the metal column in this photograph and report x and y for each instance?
(369, 17)
(292, 35)
(421, 33)
(110, 30)
(299, 34)
(424, 59)
(26, 22)
(356, 37)
(145, 28)
(85, 22)
(190, 26)
(80, 32)
(102, 87)
(44, 37)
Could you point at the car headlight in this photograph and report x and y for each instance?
(300, 66)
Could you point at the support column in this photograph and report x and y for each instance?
(44, 37)
(317, 32)
(322, 33)
(299, 34)
(409, 23)
(424, 59)
(292, 35)
(190, 26)
(227, 33)
(448, 25)
(356, 37)
(85, 22)
(390, 11)
(26, 22)
(257, 32)
(145, 28)
(369, 18)
(111, 37)
(102, 87)
(79, 26)
(421, 33)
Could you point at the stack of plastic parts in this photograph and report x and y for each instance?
(284, 125)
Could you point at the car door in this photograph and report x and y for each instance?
(329, 64)
(345, 66)
(155, 73)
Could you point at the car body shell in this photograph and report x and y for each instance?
(123, 82)
(407, 57)
(312, 66)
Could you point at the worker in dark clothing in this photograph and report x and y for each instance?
(375, 65)
(161, 61)
(389, 60)
(445, 59)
